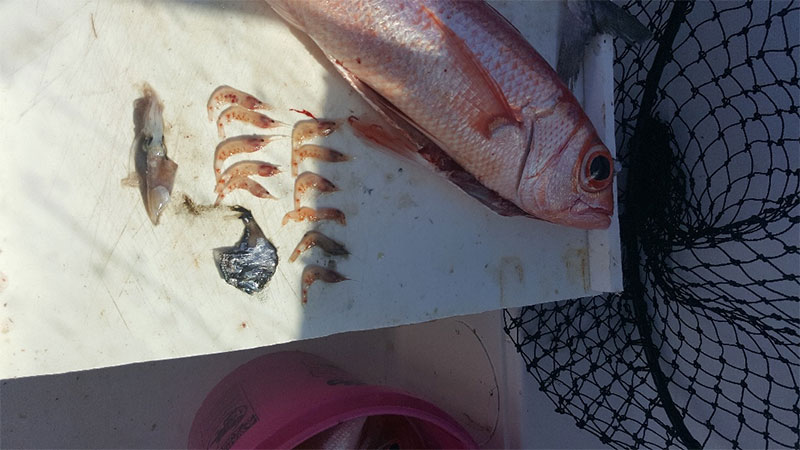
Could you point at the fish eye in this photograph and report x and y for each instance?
(600, 168)
(596, 169)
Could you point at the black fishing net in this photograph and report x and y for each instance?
(702, 348)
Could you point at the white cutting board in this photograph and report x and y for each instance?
(87, 281)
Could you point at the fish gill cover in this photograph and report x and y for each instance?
(701, 348)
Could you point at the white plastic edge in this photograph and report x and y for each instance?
(605, 270)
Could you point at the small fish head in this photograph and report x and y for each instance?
(574, 187)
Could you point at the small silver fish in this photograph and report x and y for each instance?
(156, 172)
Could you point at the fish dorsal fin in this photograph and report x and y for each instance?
(489, 98)
(286, 14)
(408, 137)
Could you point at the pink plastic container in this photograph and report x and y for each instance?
(282, 400)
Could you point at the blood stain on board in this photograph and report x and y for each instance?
(304, 112)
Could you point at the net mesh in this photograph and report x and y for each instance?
(701, 348)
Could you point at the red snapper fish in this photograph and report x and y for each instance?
(460, 75)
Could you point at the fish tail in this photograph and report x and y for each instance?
(581, 20)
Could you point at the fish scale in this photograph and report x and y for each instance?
(406, 86)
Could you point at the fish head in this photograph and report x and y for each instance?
(573, 185)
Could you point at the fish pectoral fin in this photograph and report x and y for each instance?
(487, 96)
(282, 10)
(612, 19)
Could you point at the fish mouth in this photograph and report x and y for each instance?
(578, 214)
(590, 217)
